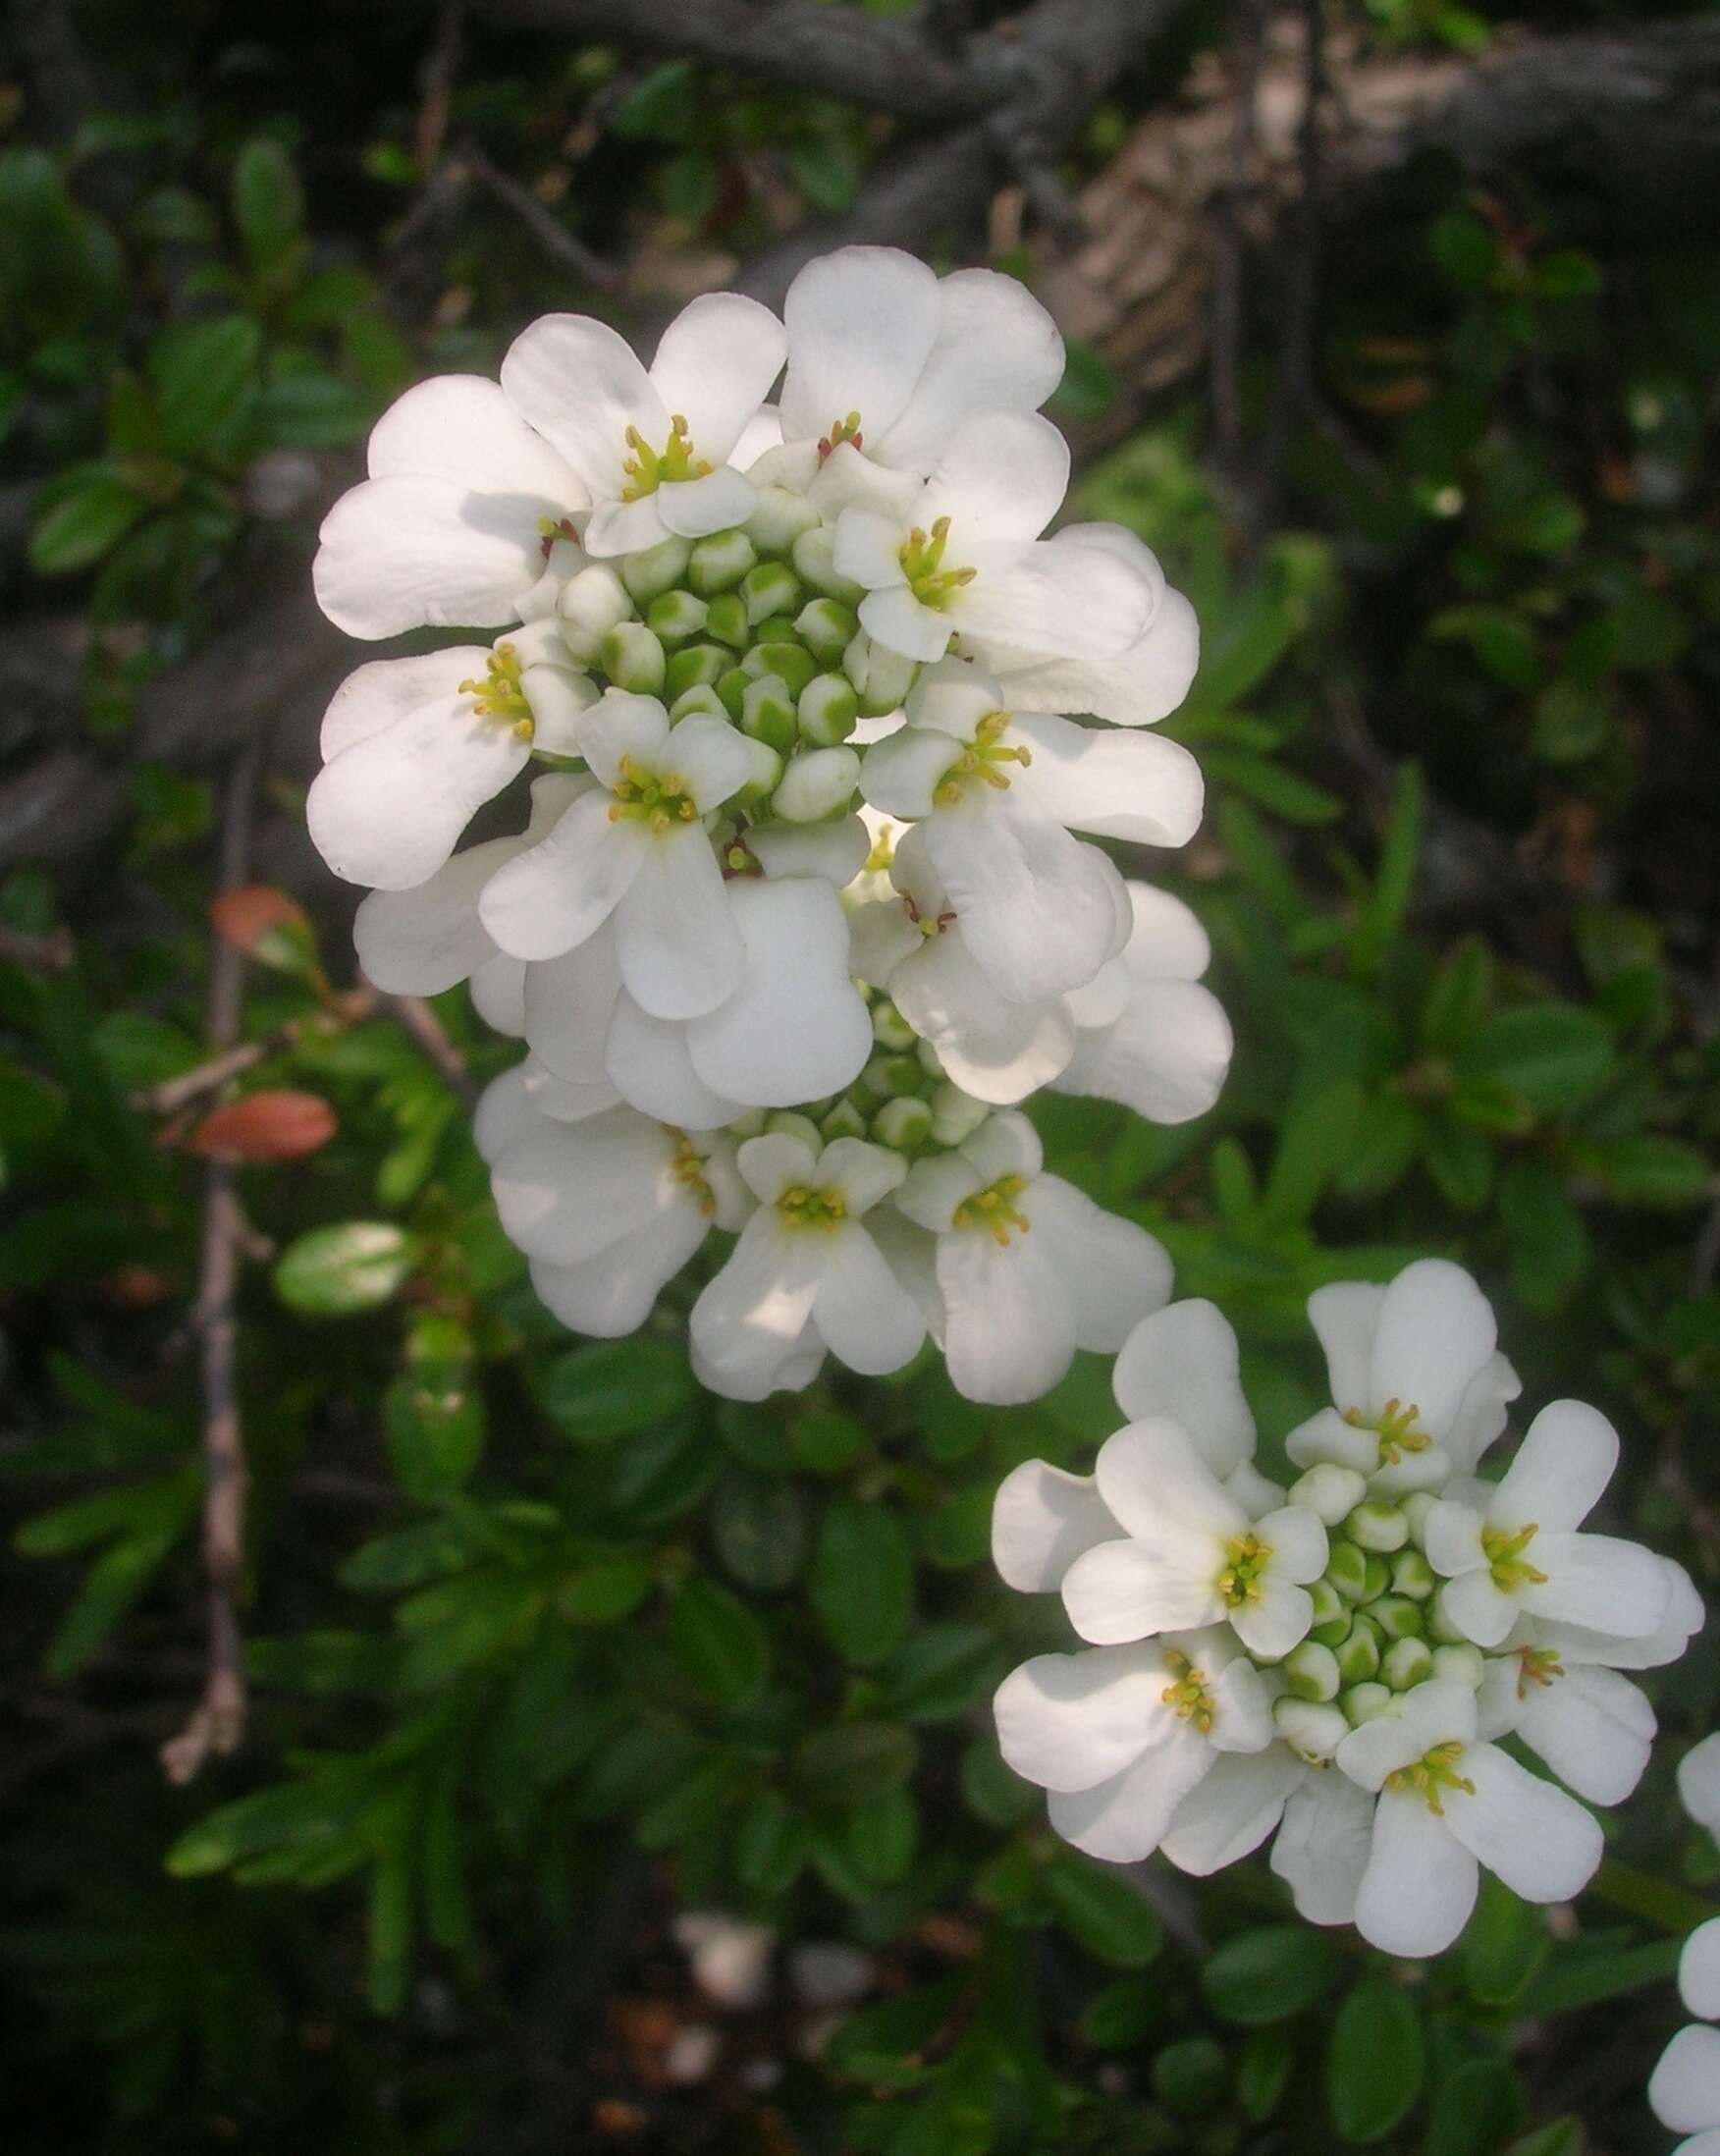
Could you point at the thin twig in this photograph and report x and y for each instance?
(217, 1725)
(543, 226)
(422, 1023)
(173, 1093)
(50, 954)
(436, 80)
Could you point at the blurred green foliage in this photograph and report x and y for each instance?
(545, 1644)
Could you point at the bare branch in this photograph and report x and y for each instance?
(422, 1023)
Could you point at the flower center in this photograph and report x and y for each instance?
(1395, 1427)
(882, 851)
(641, 796)
(841, 430)
(1433, 1773)
(647, 468)
(813, 1208)
(1247, 1560)
(1537, 1666)
(1187, 1695)
(549, 529)
(979, 762)
(687, 1168)
(499, 693)
(1505, 1559)
(921, 560)
(928, 924)
(994, 1210)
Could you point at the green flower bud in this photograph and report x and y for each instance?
(1331, 1491)
(931, 1062)
(955, 1114)
(904, 1125)
(779, 519)
(830, 709)
(1309, 1728)
(778, 629)
(887, 1075)
(882, 677)
(845, 1120)
(655, 569)
(890, 1029)
(792, 664)
(767, 712)
(695, 665)
(1347, 1570)
(1357, 1657)
(699, 700)
(1331, 1614)
(749, 1123)
(1377, 1527)
(762, 779)
(1439, 1626)
(720, 562)
(726, 620)
(818, 782)
(633, 658)
(771, 588)
(814, 556)
(1413, 1575)
(1312, 1671)
(1377, 1578)
(591, 604)
(1367, 1703)
(1407, 1662)
(731, 687)
(674, 615)
(791, 1123)
(1396, 1617)
(1416, 1508)
(827, 629)
(1463, 1664)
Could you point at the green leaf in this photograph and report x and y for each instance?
(336, 1271)
(606, 1592)
(1102, 1910)
(1646, 1169)
(1269, 1973)
(1316, 1134)
(1262, 2071)
(268, 201)
(77, 516)
(1383, 917)
(1577, 1978)
(718, 1642)
(1374, 2061)
(1547, 1236)
(207, 378)
(614, 1387)
(862, 1581)
(1457, 996)
(1474, 2107)
(1554, 1055)
(1460, 1161)
(883, 2045)
(759, 1526)
(1503, 1945)
(1274, 787)
(770, 1845)
(846, 1765)
(1503, 642)
(1562, 2137)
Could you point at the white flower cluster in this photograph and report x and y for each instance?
(1683, 2090)
(801, 913)
(1340, 1660)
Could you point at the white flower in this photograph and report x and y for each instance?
(650, 446)
(1183, 1362)
(1591, 1724)
(887, 359)
(1699, 1783)
(1447, 1805)
(1324, 1826)
(413, 747)
(449, 530)
(1028, 1267)
(1119, 1735)
(636, 847)
(805, 1271)
(1684, 2090)
(1420, 1390)
(964, 555)
(1190, 1555)
(1148, 1035)
(996, 795)
(609, 1208)
(1523, 1555)
(1142, 685)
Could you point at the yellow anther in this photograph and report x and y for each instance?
(1537, 1666)
(647, 468)
(1188, 1695)
(994, 1210)
(1395, 1427)
(688, 1167)
(1505, 1559)
(979, 763)
(499, 693)
(1246, 1558)
(826, 1210)
(841, 430)
(1431, 1775)
(921, 555)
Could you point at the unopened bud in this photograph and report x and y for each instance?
(1440, 1627)
(764, 772)
(695, 665)
(1347, 1569)
(887, 1075)
(1331, 1614)
(1462, 1663)
(818, 782)
(725, 620)
(931, 1062)
(1413, 1575)
(720, 562)
(845, 1120)
(904, 1124)
(1396, 1617)
(1407, 1662)
(1314, 1730)
(1357, 1657)
(792, 664)
(633, 658)
(882, 677)
(674, 615)
(955, 1114)
(779, 519)
(828, 710)
(771, 588)
(1367, 1703)
(827, 629)
(814, 555)
(1377, 1527)
(1312, 1671)
(791, 1123)
(700, 699)
(890, 1029)
(1332, 1491)
(1416, 1507)
(767, 713)
(590, 606)
(655, 569)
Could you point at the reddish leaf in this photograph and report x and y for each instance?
(243, 915)
(273, 1125)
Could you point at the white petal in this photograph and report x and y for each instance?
(1038, 908)
(629, 527)
(867, 1319)
(1232, 1809)
(1166, 1057)
(1481, 1415)
(421, 553)
(1005, 1144)
(1376, 1750)
(1275, 1621)
(1042, 1519)
(1112, 1272)
(1001, 475)
(1070, 1721)
(1419, 1885)
(498, 992)
(863, 1173)
(996, 350)
(896, 619)
(1684, 2090)
(551, 899)
(580, 383)
(1323, 1847)
(1009, 1332)
(429, 938)
(868, 550)
(680, 953)
(862, 322)
(1155, 1484)
(1116, 785)
(1130, 1591)
(1345, 1316)
(1593, 1727)
(621, 729)
(692, 508)
(849, 479)
(1699, 1783)
(647, 1060)
(1297, 1539)
(1451, 1536)
(570, 1008)
(1124, 1820)
(505, 1113)
(993, 1049)
(797, 1028)
(1540, 1842)
(899, 775)
(837, 853)
(1182, 1362)
(1480, 1609)
(1439, 1711)
(1437, 1331)
(1071, 605)
(771, 1163)
(1594, 1579)
(1143, 684)
(389, 810)
(794, 1368)
(1698, 1973)
(375, 695)
(749, 1318)
(1561, 1470)
(573, 1189)
(612, 1293)
(462, 428)
(714, 368)
(1327, 1437)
